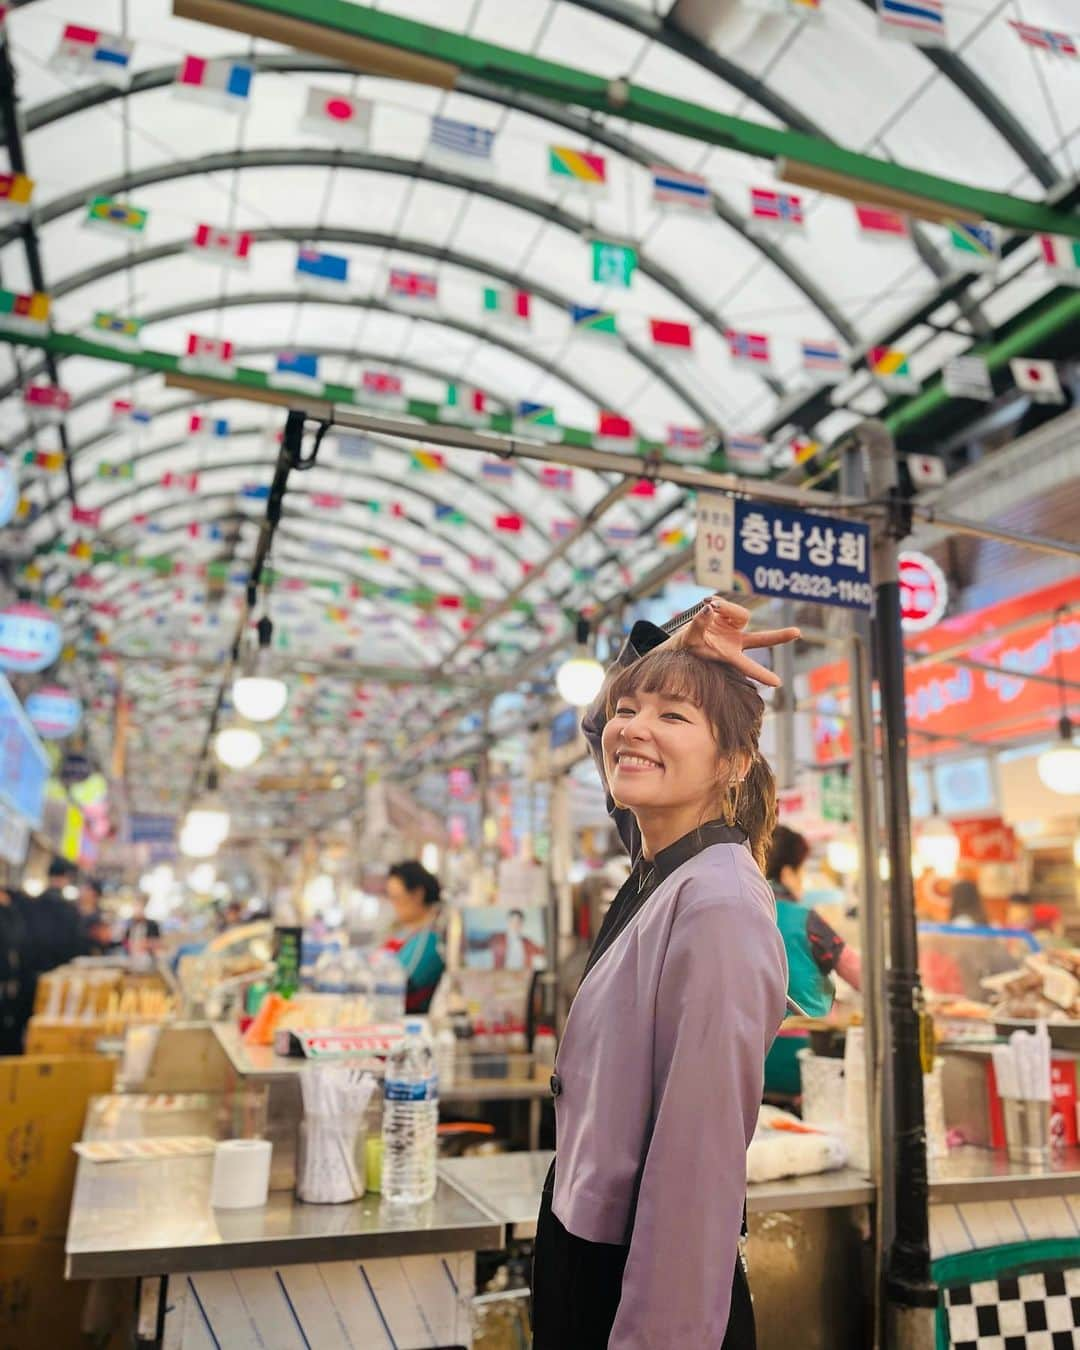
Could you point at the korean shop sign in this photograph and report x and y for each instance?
(772, 550)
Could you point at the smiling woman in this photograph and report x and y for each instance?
(660, 1072)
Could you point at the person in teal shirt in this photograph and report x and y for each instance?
(415, 895)
(814, 950)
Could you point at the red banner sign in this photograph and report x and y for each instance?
(965, 700)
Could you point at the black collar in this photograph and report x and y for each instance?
(648, 873)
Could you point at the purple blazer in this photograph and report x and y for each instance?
(661, 1069)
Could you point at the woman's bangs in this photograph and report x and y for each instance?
(675, 674)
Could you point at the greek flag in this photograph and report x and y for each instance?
(461, 140)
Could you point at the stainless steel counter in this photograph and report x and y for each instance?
(155, 1218)
(985, 1174)
(508, 1186)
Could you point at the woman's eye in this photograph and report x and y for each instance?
(678, 717)
(623, 711)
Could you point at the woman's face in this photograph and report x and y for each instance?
(661, 751)
(408, 905)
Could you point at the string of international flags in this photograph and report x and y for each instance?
(83, 50)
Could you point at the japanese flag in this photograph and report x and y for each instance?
(926, 470)
(337, 117)
(1038, 379)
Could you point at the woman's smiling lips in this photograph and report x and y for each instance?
(631, 762)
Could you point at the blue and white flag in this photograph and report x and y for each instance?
(461, 143)
(824, 360)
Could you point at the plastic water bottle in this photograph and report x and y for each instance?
(410, 1118)
(388, 981)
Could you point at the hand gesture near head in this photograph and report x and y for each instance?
(720, 633)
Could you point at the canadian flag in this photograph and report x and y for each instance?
(182, 482)
(207, 352)
(230, 248)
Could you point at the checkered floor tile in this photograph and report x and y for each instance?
(1027, 1312)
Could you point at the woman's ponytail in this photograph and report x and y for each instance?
(757, 808)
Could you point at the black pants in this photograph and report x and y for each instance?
(577, 1285)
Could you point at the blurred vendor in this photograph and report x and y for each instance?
(415, 941)
(814, 950)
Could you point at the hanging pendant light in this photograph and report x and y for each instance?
(1059, 767)
(256, 696)
(238, 747)
(206, 825)
(580, 678)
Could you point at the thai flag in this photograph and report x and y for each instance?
(500, 470)
(779, 208)
(752, 348)
(918, 21)
(1046, 39)
(563, 529)
(824, 359)
(553, 476)
(483, 567)
(673, 187)
(746, 452)
(620, 534)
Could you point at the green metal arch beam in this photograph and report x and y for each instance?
(440, 57)
(341, 159)
(374, 239)
(586, 126)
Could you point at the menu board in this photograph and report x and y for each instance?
(24, 765)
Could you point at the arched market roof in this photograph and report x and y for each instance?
(372, 530)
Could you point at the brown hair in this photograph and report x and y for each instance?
(789, 848)
(735, 711)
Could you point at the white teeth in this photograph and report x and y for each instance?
(637, 759)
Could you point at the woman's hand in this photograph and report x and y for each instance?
(719, 633)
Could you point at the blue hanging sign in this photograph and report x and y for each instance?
(754, 547)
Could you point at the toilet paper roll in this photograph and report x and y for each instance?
(241, 1178)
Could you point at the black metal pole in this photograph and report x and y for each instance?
(910, 1293)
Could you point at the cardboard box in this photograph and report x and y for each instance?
(38, 1307)
(56, 1036)
(43, 1103)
